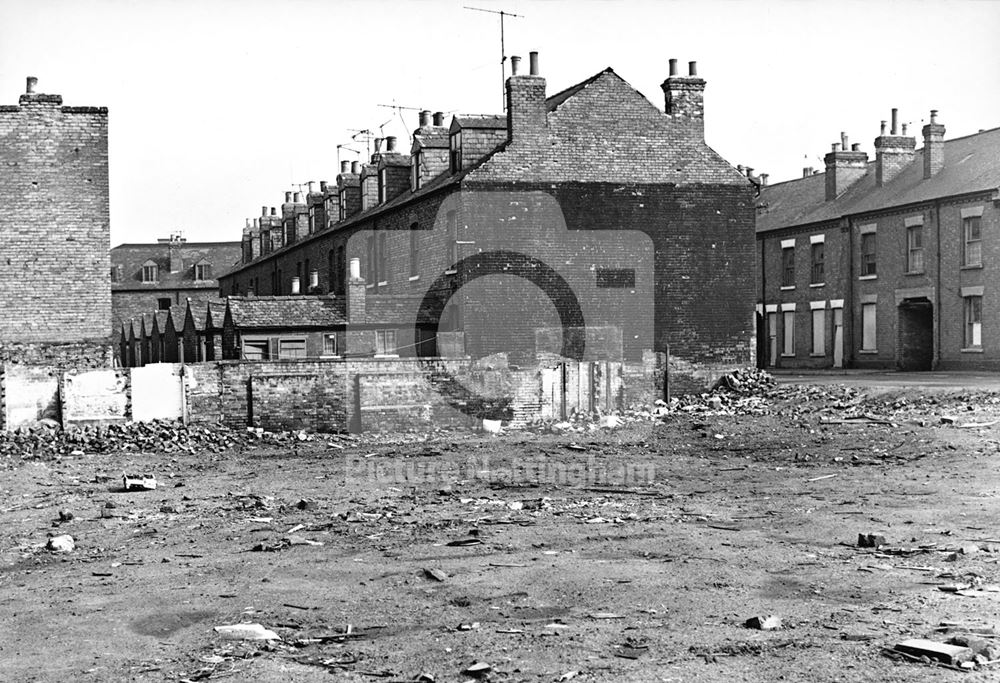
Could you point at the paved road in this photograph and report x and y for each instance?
(892, 380)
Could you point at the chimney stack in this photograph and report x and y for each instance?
(893, 152)
(933, 146)
(174, 249)
(439, 118)
(685, 100)
(844, 167)
(526, 114)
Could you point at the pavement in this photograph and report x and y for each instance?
(892, 379)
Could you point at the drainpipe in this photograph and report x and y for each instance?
(936, 362)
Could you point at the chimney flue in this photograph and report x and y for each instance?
(425, 118)
(673, 67)
(895, 121)
(390, 143)
(515, 64)
(345, 166)
(30, 86)
(533, 63)
(692, 69)
(439, 118)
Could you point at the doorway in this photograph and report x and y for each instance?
(838, 337)
(916, 335)
(772, 340)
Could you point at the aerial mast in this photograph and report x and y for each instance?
(503, 50)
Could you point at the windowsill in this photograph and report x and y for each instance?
(975, 267)
(386, 355)
(868, 352)
(330, 355)
(785, 288)
(383, 283)
(974, 349)
(450, 271)
(868, 277)
(818, 284)
(914, 272)
(369, 285)
(817, 355)
(414, 277)
(788, 355)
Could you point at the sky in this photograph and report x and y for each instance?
(218, 107)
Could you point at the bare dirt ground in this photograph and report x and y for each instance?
(634, 553)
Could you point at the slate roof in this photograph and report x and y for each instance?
(971, 164)
(482, 120)
(223, 256)
(286, 311)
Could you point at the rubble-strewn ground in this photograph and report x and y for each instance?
(634, 553)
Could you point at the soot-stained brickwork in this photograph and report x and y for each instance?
(593, 179)
(54, 222)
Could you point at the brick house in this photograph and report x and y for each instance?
(555, 174)
(55, 226)
(147, 277)
(885, 263)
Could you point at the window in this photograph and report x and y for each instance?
(455, 151)
(255, 349)
(415, 171)
(972, 226)
(163, 304)
(973, 322)
(150, 273)
(868, 342)
(868, 254)
(203, 271)
(329, 344)
(819, 332)
(385, 342)
(615, 278)
(116, 273)
(816, 273)
(331, 269)
(453, 251)
(788, 267)
(915, 249)
(383, 260)
(291, 348)
(383, 190)
(414, 253)
(788, 333)
(341, 270)
(312, 219)
(343, 204)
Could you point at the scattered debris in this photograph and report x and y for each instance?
(435, 574)
(941, 652)
(246, 632)
(477, 669)
(871, 540)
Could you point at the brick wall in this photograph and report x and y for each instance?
(54, 225)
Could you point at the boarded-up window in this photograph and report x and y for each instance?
(291, 348)
(819, 332)
(868, 342)
(973, 322)
(788, 338)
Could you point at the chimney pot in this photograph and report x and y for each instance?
(263, 211)
(895, 121)
(312, 186)
(255, 223)
(297, 198)
(533, 63)
(515, 64)
(692, 69)
(439, 118)
(673, 67)
(355, 167)
(856, 147)
(934, 115)
(806, 171)
(843, 141)
(345, 166)
(322, 186)
(378, 145)
(904, 129)
(763, 179)
(425, 118)
(31, 83)
(835, 147)
(390, 143)
(740, 168)
(883, 128)
(288, 197)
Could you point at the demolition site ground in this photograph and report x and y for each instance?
(572, 552)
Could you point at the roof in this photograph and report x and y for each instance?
(423, 140)
(480, 121)
(971, 164)
(221, 255)
(287, 311)
(551, 103)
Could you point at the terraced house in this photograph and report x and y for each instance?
(887, 263)
(589, 209)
